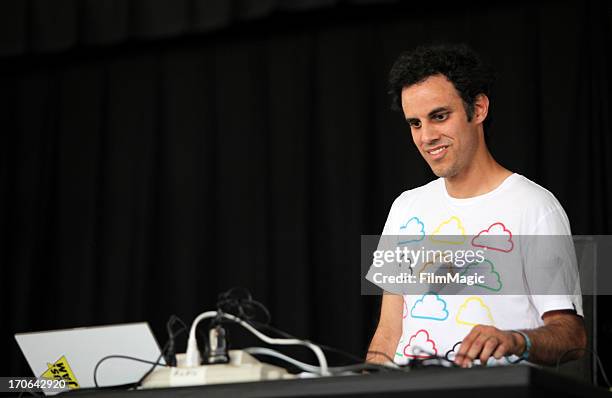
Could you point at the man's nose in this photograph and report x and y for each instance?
(429, 133)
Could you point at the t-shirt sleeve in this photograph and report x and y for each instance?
(550, 264)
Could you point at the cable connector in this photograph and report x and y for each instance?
(192, 356)
(217, 345)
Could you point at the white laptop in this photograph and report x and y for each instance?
(73, 353)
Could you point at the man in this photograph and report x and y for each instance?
(443, 92)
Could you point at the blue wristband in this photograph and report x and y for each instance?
(525, 354)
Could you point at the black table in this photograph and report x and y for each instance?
(494, 382)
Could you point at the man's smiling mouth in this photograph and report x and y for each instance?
(438, 151)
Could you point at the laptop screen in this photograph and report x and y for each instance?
(72, 354)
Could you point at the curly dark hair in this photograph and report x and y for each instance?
(460, 64)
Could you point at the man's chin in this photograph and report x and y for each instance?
(443, 172)
(438, 171)
(440, 174)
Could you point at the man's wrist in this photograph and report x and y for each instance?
(522, 343)
(377, 357)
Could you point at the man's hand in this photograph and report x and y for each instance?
(484, 342)
(563, 336)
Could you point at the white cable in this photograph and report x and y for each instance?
(192, 357)
(273, 353)
(339, 370)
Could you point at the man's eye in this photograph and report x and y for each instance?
(415, 123)
(440, 116)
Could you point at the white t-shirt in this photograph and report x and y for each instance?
(518, 207)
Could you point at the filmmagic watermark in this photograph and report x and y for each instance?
(429, 278)
(498, 263)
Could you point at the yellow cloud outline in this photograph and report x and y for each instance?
(464, 306)
(439, 228)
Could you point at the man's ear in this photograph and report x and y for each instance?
(481, 108)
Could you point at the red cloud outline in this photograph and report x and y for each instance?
(486, 231)
(427, 339)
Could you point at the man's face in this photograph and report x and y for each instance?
(438, 122)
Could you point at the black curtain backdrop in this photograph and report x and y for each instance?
(156, 153)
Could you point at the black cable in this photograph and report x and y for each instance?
(128, 385)
(169, 344)
(289, 336)
(600, 365)
(170, 354)
(286, 335)
(446, 356)
(347, 368)
(155, 364)
(241, 305)
(366, 366)
(324, 347)
(346, 354)
(420, 362)
(415, 362)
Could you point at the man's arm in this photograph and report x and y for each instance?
(563, 330)
(389, 329)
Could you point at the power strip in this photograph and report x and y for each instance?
(242, 367)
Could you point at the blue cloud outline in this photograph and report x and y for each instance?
(422, 232)
(433, 318)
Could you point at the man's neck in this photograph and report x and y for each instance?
(482, 176)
